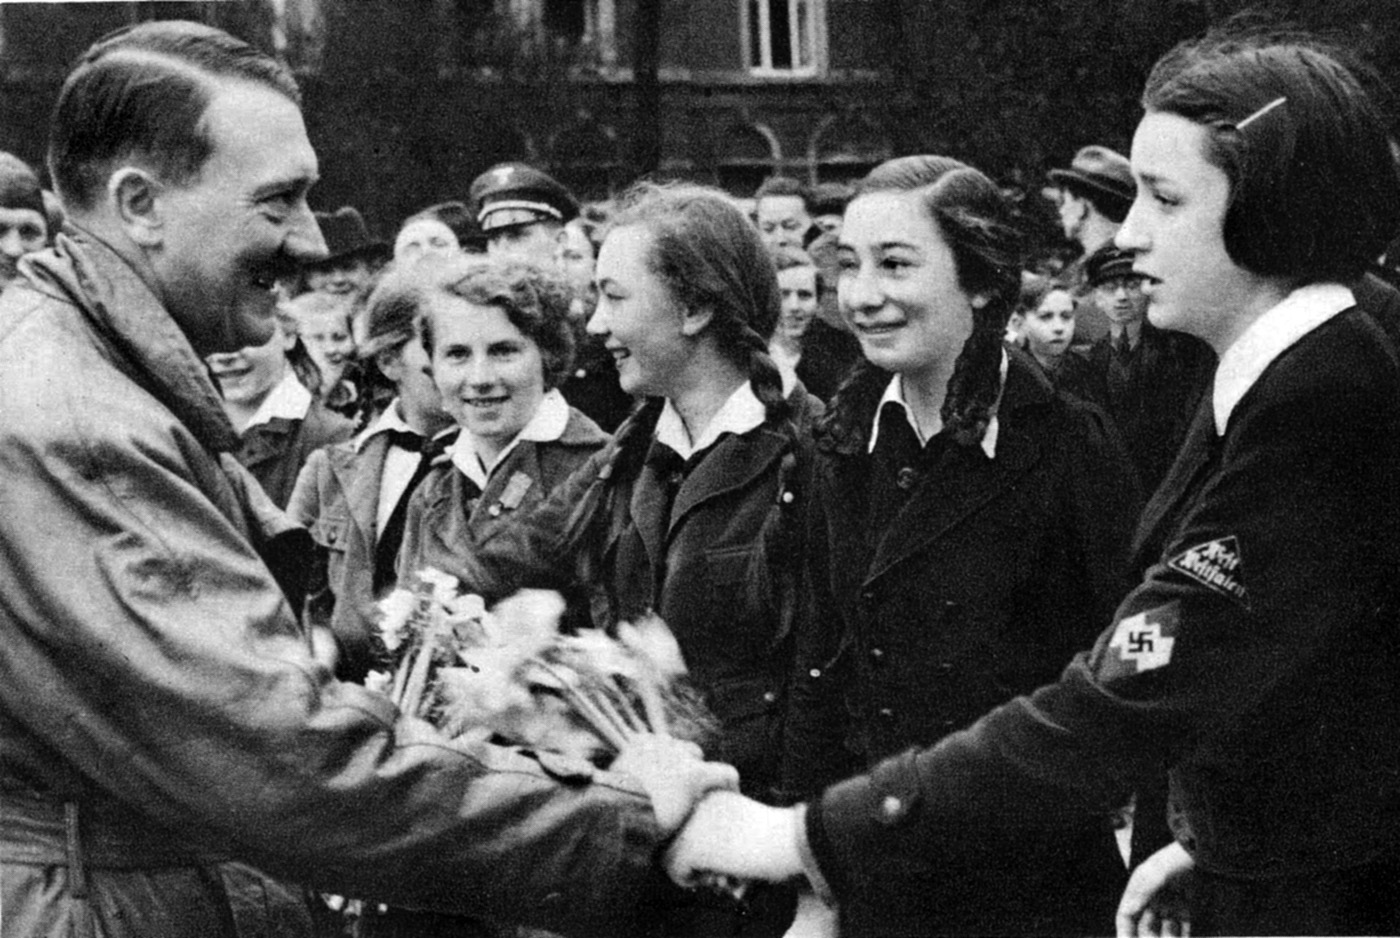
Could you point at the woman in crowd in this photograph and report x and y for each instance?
(800, 287)
(1256, 657)
(353, 496)
(431, 232)
(322, 321)
(277, 414)
(972, 531)
(1044, 326)
(592, 386)
(692, 510)
(498, 339)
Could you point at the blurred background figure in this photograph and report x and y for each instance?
(828, 203)
(355, 255)
(430, 231)
(278, 418)
(591, 384)
(322, 320)
(24, 225)
(348, 495)
(522, 212)
(1044, 326)
(1092, 194)
(782, 211)
(1149, 380)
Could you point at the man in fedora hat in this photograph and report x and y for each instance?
(1094, 194)
(354, 254)
(522, 212)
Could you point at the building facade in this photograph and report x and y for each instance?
(408, 100)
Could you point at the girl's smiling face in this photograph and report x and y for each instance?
(899, 286)
(637, 315)
(490, 374)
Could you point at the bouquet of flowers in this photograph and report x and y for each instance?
(509, 673)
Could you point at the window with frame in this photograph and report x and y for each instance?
(782, 36)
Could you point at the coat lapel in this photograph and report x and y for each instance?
(960, 485)
(359, 474)
(965, 479)
(731, 465)
(1196, 451)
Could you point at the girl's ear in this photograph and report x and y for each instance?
(695, 321)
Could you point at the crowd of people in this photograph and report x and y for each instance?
(1028, 598)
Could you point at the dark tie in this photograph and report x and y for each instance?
(386, 547)
(1120, 368)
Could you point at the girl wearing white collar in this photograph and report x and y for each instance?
(973, 529)
(694, 510)
(499, 342)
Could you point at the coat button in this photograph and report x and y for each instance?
(886, 714)
(494, 511)
(815, 673)
(877, 656)
(769, 696)
(906, 478)
(787, 498)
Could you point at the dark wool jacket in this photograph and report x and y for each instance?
(1169, 374)
(1256, 658)
(276, 451)
(448, 510)
(987, 580)
(721, 567)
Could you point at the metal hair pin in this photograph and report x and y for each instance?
(1260, 113)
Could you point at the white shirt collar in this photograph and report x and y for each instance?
(288, 400)
(1270, 336)
(547, 425)
(389, 420)
(739, 414)
(894, 392)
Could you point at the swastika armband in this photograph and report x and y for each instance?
(1141, 642)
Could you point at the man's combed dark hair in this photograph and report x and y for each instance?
(1314, 193)
(979, 225)
(138, 96)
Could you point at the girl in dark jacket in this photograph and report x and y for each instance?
(693, 509)
(970, 532)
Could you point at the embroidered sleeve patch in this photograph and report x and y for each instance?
(1217, 565)
(1142, 642)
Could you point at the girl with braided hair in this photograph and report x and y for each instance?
(694, 509)
(971, 530)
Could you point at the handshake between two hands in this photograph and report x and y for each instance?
(719, 833)
(716, 831)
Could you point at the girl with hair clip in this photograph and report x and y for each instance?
(1256, 658)
(694, 509)
(971, 531)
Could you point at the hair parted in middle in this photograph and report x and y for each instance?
(535, 301)
(710, 256)
(978, 223)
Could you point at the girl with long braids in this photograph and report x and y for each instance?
(694, 509)
(971, 531)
